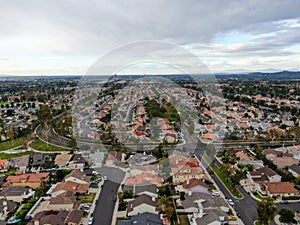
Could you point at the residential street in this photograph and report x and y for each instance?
(105, 207)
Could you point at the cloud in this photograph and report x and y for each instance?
(34, 30)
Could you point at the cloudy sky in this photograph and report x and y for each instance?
(67, 37)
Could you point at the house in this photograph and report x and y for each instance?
(143, 218)
(4, 165)
(280, 189)
(142, 204)
(7, 207)
(150, 189)
(185, 173)
(202, 209)
(20, 162)
(78, 162)
(32, 180)
(294, 170)
(16, 193)
(64, 217)
(144, 178)
(38, 159)
(264, 174)
(78, 177)
(70, 186)
(114, 157)
(140, 159)
(61, 160)
(63, 201)
(280, 159)
(193, 186)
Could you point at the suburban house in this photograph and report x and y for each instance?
(264, 174)
(6, 207)
(64, 217)
(201, 209)
(4, 165)
(143, 218)
(64, 201)
(280, 159)
(77, 162)
(62, 160)
(70, 186)
(150, 189)
(38, 159)
(294, 170)
(140, 159)
(279, 189)
(32, 180)
(114, 157)
(142, 204)
(78, 177)
(185, 173)
(20, 162)
(16, 193)
(144, 178)
(193, 186)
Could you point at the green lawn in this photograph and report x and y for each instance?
(8, 156)
(86, 198)
(5, 145)
(40, 145)
(257, 195)
(9, 173)
(184, 220)
(231, 187)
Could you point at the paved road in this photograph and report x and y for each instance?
(105, 207)
(104, 210)
(246, 207)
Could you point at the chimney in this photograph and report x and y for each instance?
(153, 199)
(4, 203)
(188, 182)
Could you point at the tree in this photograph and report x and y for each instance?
(73, 143)
(266, 211)
(44, 114)
(227, 168)
(287, 216)
(164, 201)
(11, 135)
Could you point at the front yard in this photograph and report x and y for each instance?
(231, 187)
(84, 199)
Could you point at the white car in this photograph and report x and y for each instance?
(215, 193)
(105, 178)
(230, 202)
(91, 220)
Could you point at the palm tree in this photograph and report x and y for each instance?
(266, 211)
(164, 201)
(227, 168)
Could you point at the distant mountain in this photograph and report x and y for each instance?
(263, 75)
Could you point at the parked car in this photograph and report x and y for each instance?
(284, 202)
(95, 182)
(91, 220)
(232, 217)
(230, 202)
(215, 193)
(85, 207)
(105, 178)
(114, 198)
